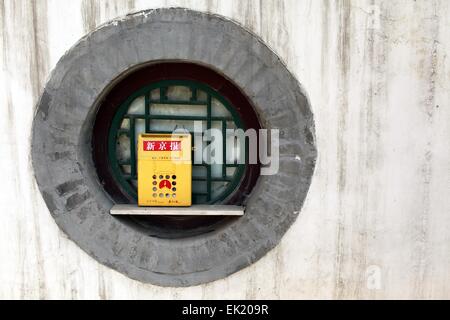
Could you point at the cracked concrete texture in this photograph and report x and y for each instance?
(375, 222)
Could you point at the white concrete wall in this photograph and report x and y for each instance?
(376, 222)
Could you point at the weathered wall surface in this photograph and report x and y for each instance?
(377, 217)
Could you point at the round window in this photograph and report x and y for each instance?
(161, 98)
(153, 71)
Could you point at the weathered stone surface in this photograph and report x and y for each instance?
(67, 111)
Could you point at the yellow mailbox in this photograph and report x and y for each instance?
(164, 169)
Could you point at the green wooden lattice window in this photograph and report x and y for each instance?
(160, 108)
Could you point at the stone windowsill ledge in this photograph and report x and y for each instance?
(194, 210)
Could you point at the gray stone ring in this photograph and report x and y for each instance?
(62, 153)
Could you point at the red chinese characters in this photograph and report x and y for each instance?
(162, 145)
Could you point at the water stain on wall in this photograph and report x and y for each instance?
(357, 75)
(96, 12)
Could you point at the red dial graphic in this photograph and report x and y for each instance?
(165, 184)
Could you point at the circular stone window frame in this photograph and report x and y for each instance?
(171, 226)
(62, 155)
